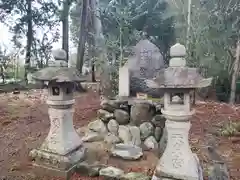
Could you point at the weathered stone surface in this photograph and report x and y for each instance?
(92, 136)
(200, 170)
(84, 168)
(151, 143)
(147, 60)
(104, 115)
(178, 148)
(124, 134)
(113, 126)
(111, 105)
(98, 126)
(146, 130)
(159, 120)
(123, 82)
(127, 151)
(141, 112)
(62, 137)
(157, 134)
(135, 132)
(218, 172)
(60, 74)
(122, 117)
(112, 139)
(145, 63)
(135, 176)
(177, 75)
(52, 163)
(163, 141)
(140, 85)
(154, 177)
(158, 108)
(177, 99)
(111, 172)
(125, 107)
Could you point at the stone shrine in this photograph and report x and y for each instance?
(178, 161)
(144, 64)
(62, 149)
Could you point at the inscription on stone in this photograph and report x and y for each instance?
(55, 123)
(144, 64)
(146, 61)
(177, 156)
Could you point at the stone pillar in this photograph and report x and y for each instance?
(124, 82)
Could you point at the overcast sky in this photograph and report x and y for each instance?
(6, 36)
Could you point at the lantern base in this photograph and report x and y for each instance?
(178, 161)
(55, 164)
(200, 174)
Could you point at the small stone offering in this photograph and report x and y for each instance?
(127, 151)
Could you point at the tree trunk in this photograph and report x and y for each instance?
(29, 39)
(189, 23)
(82, 36)
(91, 53)
(2, 74)
(121, 44)
(235, 74)
(105, 83)
(93, 72)
(65, 27)
(114, 57)
(91, 41)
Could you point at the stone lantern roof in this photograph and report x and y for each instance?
(58, 70)
(178, 75)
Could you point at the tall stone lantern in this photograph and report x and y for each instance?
(62, 149)
(178, 161)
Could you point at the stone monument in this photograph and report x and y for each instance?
(124, 82)
(144, 64)
(62, 149)
(178, 161)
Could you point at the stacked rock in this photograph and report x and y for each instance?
(127, 126)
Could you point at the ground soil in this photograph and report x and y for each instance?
(24, 124)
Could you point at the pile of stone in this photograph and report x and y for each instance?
(108, 172)
(129, 127)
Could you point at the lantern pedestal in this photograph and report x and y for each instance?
(62, 148)
(177, 160)
(62, 137)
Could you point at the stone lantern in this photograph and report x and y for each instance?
(178, 161)
(62, 149)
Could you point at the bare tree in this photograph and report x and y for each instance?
(235, 74)
(65, 25)
(29, 39)
(82, 34)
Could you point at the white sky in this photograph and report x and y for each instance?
(6, 36)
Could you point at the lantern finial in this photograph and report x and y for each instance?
(177, 53)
